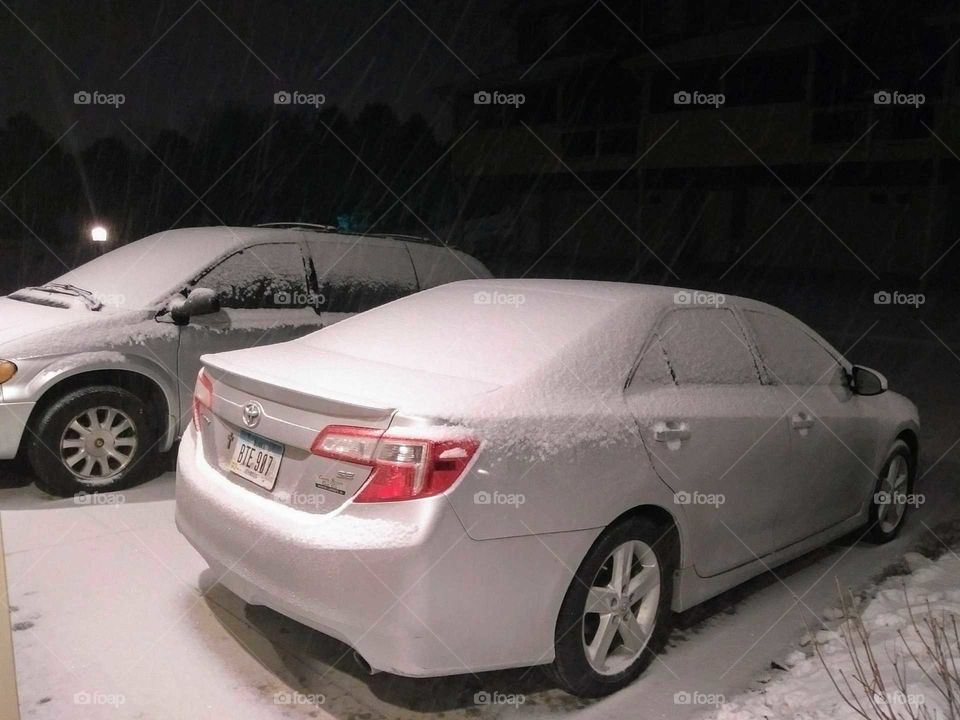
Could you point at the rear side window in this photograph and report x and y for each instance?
(706, 346)
(790, 354)
(354, 276)
(653, 368)
(262, 277)
(439, 265)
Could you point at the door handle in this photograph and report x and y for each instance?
(672, 432)
(801, 421)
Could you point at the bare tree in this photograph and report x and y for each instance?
(873, 696)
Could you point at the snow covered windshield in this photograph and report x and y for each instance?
(479, 330)
(142, 273)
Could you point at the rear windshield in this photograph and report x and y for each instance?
(492, 334)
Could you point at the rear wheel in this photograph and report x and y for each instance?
(889, 503)
(93, 439)
(616, 614)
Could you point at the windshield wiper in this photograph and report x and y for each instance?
(66, 289)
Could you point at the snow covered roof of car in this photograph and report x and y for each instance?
(499, 331)
(144, 272)
(495, 331)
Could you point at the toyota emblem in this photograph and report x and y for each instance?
(251, 414)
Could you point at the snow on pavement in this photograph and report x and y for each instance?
(108, 612)
(805, 689)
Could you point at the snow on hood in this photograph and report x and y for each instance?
(22, 319)
(28, 330)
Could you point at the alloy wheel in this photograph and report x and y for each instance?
(892, 496)
(621, 608)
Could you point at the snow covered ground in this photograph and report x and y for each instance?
(893, 618)
(114, 617)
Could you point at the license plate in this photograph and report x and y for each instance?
(256, 459)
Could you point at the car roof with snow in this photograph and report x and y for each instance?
(499, 331)
(145, 271)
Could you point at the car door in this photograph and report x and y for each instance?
(832, 438)
(715, 434)
(358, 274)
(264, 298)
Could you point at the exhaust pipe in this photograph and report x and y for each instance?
(364, 664)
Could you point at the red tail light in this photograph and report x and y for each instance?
(202, 396)
(403, 467)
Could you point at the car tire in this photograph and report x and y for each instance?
(581, 666)
(897, 476)
(93, 439)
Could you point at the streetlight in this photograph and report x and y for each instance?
(98, 233)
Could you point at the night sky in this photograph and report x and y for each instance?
(175, 62)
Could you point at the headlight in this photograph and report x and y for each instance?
(7, 370)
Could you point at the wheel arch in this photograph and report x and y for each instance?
(136, 376)
(910, 436)
(663, 518)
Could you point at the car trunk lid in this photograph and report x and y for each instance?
(261, 415)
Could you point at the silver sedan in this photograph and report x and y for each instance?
(495, 474)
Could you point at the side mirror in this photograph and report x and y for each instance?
(864, 381)
(200, 301)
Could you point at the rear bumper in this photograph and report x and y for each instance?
(401, 583)
(13, 421)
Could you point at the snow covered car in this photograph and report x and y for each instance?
(97, 367)
(493, 474)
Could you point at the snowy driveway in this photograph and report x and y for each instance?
(107, 614)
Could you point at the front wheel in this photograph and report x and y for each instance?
(616, 614)
(93, 439)
(888, 506)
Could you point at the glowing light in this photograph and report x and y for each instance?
(98, 233)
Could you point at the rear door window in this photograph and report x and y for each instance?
(262, 277)
(354, 276)
(705, 346)
(437, 265)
